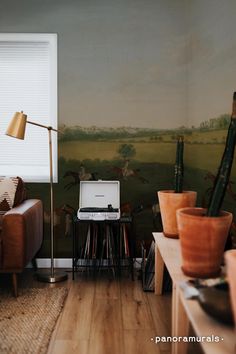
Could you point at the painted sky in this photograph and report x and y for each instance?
(210, 58)
(144, 63)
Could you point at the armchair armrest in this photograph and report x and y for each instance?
(22, 234)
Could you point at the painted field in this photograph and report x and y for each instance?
(199, 156)
(206, 157)
(145, 152)
(208, 136)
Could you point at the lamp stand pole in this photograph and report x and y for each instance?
(53, 276)
(16, 129)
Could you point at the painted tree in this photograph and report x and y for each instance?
(127, 151)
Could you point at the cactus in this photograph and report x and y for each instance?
(222, 178)
(179, 165)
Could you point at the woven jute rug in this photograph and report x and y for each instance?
(27, 322)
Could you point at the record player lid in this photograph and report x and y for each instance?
(99, 194)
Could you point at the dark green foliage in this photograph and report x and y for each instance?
(126, 151)
(221, 122)
(104, 134)
(222, 178)
(179, 165)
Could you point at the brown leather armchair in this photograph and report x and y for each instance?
(21, 234)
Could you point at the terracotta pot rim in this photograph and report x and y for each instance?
(200, 213)
(171, 191)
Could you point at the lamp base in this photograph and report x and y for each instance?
(49, 277)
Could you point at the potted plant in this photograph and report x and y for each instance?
(203, 232)
(171, 200)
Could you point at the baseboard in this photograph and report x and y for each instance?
(67, 263)
(58, 263)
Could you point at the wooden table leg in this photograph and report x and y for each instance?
(180, 323)
(159, 271)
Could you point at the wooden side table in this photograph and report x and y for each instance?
(167, 251)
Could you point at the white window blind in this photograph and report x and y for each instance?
(28, 83)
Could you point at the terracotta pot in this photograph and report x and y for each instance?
(230, 259)
(169, 202)
(202, 241)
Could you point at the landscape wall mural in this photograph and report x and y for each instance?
(143, 161)
(132, 75)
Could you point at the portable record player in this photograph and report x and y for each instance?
(99, 200)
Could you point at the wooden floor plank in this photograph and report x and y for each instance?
(106, 315)
(69, 347)
(136, 315)
(132, 291)
(108, 341)
(107, 288)
(75, 323)
(140, 342)
(161, 315)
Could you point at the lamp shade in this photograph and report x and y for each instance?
(17, 125)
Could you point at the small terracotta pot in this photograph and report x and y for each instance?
(230, 259)
(202, 241)
(169, 202)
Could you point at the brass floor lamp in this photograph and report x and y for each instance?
(16, 129)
